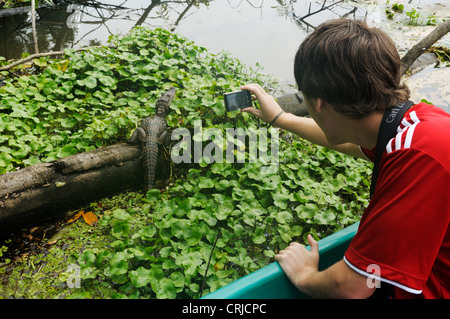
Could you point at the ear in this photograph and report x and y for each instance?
(320, 105)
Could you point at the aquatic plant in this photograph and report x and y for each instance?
(214, 223)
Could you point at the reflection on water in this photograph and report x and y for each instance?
(263, 31)
(432, 85)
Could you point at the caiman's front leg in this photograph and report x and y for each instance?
(138, 134)
(164, 138)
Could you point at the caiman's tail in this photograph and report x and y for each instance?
(150, 159)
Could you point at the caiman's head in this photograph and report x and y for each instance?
(163, 103)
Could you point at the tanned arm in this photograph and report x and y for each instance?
(304, 127)
(299, 264)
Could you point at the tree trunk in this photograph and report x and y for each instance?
(33, 26)
(42, 191)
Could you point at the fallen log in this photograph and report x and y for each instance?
(293, 103)
(42, 191)
(39, 192)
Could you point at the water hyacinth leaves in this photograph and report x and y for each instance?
(228, 217)
(96, 97)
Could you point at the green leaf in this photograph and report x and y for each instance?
(147, 232)
(118, 245)
(87, 258)
(281, 200)
(194, 287)
(306, 211)
(31, 161)
(90, 82)
(102, 66)
(89, 273)
(210, 219)
(167, 289)
(259, 237)
(153, 194)
(106, 80)
(285, 237)
(119, 257)
(224, 210)
(141, 277)
(177, 279)
(193, 235)
(169, 263)
(284, 217)
(324, 218)
(121, 214)
(238, 230)
(178, 227)
(120, 229)
(118, 268)
(205, 182)
(67, 150)
(164, 252)
(296, 230)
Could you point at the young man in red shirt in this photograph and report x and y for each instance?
(350, 74)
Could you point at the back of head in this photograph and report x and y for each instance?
(354, 68)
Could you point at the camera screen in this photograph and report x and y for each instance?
(237, 100)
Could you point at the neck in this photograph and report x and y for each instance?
(341, 129)
(365, 131)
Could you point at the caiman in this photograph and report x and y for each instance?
(151, 134)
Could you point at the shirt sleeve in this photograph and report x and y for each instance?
(404, 225)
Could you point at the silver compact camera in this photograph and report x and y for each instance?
(237, 100)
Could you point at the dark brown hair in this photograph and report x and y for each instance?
(354, 68)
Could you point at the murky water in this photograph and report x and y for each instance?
(264, 31)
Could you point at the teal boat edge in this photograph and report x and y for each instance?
(270, 282)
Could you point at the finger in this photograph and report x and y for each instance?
(279, 256)
(252, 110)
(256, 89)
(314, 245)
(252, 87)
(296, 245)
(282, 252)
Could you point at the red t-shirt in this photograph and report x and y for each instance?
(405, 231)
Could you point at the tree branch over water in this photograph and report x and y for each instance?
(424, 44)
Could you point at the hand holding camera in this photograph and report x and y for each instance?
(269, 110)
(237, 100)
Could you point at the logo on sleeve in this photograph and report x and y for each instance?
(405, 132)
